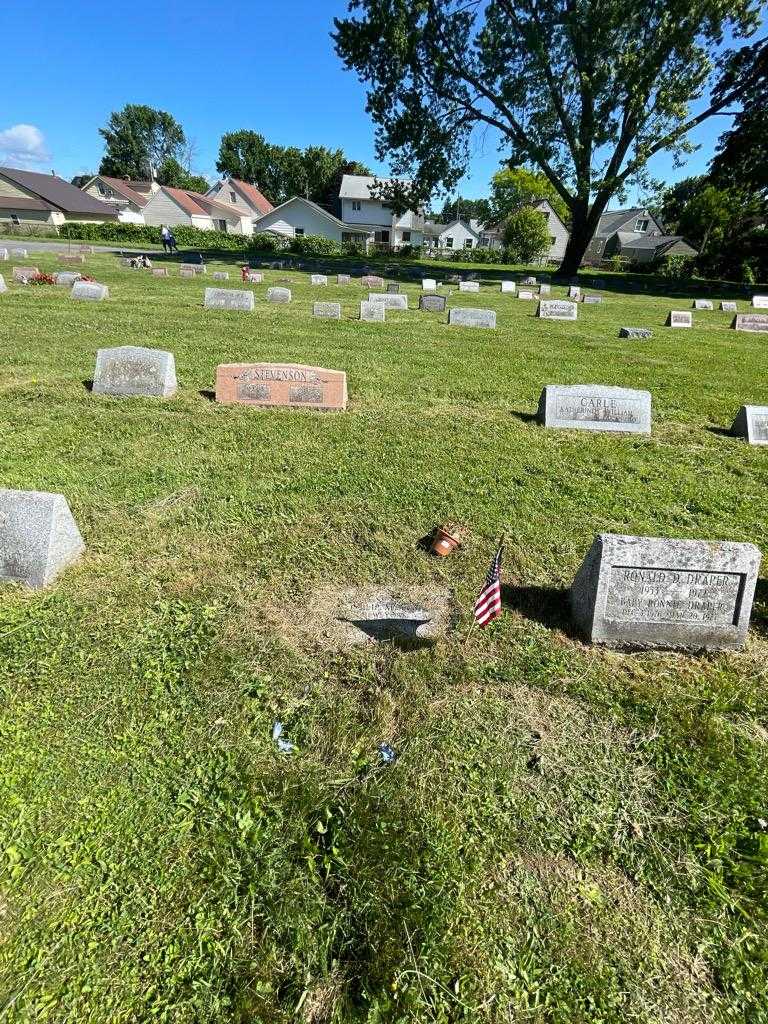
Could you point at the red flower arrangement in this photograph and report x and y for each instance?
(42, 279)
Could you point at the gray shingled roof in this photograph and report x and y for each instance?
(57, 193)
(612, 220)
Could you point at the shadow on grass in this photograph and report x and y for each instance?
(721, 432)
(525, 417)
(88, 385)
(760, 607)
(547, 605)
(207, 394)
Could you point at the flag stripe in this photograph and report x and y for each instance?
(488, 604)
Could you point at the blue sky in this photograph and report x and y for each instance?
(266, 65)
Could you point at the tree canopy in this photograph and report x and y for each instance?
(170, 172)
(584, 90)
(526, 236)
(742, 152)
(513, 186)
(138, 140)
(465, 209)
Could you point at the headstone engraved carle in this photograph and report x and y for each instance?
(393, 288)
(23, 274)
(403, 618)
(508, 286)
(469, 286)
(38, 537)
(318, 279)
(281, 384)
(278, 294)
(679, 318)
(595, 407)
(342, 279)
(755, 322)
(390, 301)
(66, 278)
(557, 309)
(428, 284)
(728, 307)
(525, 293)
(702, 304)
(432, 303)
(635, 332)
(372, 281)
(656, 592)
(221, 275)
(130, 370)
(89, 291)
(464, 316)
(758, 301)
(373, 312)
(752, 423)
(327, 310)
(229, 298)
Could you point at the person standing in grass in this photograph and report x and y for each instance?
(165, 237)
(172, 242)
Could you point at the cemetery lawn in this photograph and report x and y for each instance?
(569, 834)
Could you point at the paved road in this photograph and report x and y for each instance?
(62, 245)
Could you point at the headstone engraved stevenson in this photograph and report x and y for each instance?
(278, 294)
(432, 303)
(372, 312)
(327, 310)
(595, 407)
(679, 318)
(89, 291)
(390, 301)
(657, 592)
(229, 298)
(557, 309)
(752, 423)
(38, 537)
(755, 322)
(130, 370)
(281, 384)
(464, 316)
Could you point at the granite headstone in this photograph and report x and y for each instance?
(557, 309)
(752, 423)
(130, 370)
(595, 407)
(327, 310)
(38, 537)
(372, 312)
(281, 384)
(89, 291)
(229, 298)
(465, 316)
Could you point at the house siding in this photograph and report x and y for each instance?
(11, 191)
(297, 215)
(557, 231)
(161, 209)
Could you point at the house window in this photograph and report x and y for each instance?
(356, 206)
(232, 197)
(406, 236)
(386, 206)
(222, 225)
(298, 231)
(641, 225)
(467, 243)
(449, 243)
(384, 236)
(15, 219)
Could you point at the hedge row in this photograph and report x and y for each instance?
(186, 237)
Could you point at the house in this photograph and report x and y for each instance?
(458, 234)
(635, 234)
(31, 199)
(472, 234)
(241, 194)
(178, 206)
(363, 212)
(299, 216)
(128, 197)
(558, 232)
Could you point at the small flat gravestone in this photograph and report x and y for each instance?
(129, 371)
(160, 272)
(679, 318)
(411, 617)
(758, 301)
(193, 268)
(342, 279)
(432, 303)
(464, 316)
(229, 298)
(469, 286)
(545, 289)
(529, 280)
(390, 301)
(279, 295)
(186, 272)
(66, 278)
(574, 292)
(728, 307)
(592, 300)
(752, 423)
(38, 537)
(508, 286)
(24, 274)
(254, 277)
(373, 312)
(3, 254)
(281, 384)
(318, 279)
(557, 309)
(327, 310)
(702, 304)
(428, 284)
(65, 257)
(3, 285)
(372, 281)
(20, 253)
(635, 332)
(524, 293)
(393, 288)
(687, 595)
(754, 322)
(595, 407)
(89, 291)
(221, 275)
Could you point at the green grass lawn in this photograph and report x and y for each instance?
(569, 834)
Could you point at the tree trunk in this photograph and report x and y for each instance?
(583, 226)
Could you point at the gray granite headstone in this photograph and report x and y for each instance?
(574, 292)
(592, 300)
(525, 293)
(635, 332)
(508, 286)
(557, 309)
(428, 284)
(469, 286)
(66, 278)
(432, 303)
(752, 423)
(728, 307)
(754, 322)
(38, 537)
(229, 298)
(393, 288)
(186, 272)
(318, 279)
(327, 310)
(24, 274)
(342, 279)
(221, 275)
(89, 291)
(702, 304)
(758, 301)
(595, 407)
(254, 277)
(658, 592)
(545, 289)
(464, 316)
(372, 281)
(130, 370)
(3, 285)
(279, 295)
(373, 312)
(390, 301)
(160, 272)
(679, 318)
(19, 253)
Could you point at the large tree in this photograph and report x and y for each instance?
(585, 90)
(513, 186)
(742, 152)
(139, 139)
(466, 209)
(170, 172)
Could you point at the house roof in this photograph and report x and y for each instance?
(56, 193)
(123, 186)
(12, 203)
(358, 186)
(653, 241)
(316, 208)
(253, 195)
(612, 220)
(197, 205)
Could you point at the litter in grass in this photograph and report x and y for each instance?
(388, 755)
(284, 746)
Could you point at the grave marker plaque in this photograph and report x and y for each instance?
(702, 304)
(3, 285)
(595, 407)
(342, 279)
(429, 284)
(281, 384)
(508, 286)
(372, 281)
(229, 298)
(23, 274)
(66, 278)
(752, 423)
(221, 275)
(464, 316)
(469, 286)
(753, 322)
(679, 318)
(658, 592)
(130, 370)
(524, 293)
(728, 307)
(390, 301)
(318, 279)
(372, 312)
(327, 310)
(279, 295)
(393, 288)
(635, 332)
(432, 303)
(89, 291)
(557, 309)
(254, 277)
(38, 537)
(592, 300)
(758, 301)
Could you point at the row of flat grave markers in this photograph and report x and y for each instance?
(630, 592)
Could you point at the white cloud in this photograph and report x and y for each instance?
(23, 145)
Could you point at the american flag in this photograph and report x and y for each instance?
(488, 603)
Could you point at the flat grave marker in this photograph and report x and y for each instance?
(557, 309)
(66, 278)
(592, 300)
(679, 318)
(465, 316)
(469, 286)
(390, 301)
(327, 310)
(752, 423)
(130, 371)
(595, 407)
(635, 332)
(429, 284)
(758, 301)
(293, 385)
(221, 275)
(38, 537)
(89, 291)
(728, 307)
(229, 298)
(23, 274)
(524, 293)
(279, 295)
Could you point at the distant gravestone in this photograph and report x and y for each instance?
(545, 289)
(595, 407)
(229, 298)
(159, 272)
(469, 286)
(64, 257)
(327, 310)
(281, 384)
(753, 322)
(186, 272)
(557, 309)
(254, 277)
(665, 593)
(19, 253)
(86, 250)
(429, 284)
(3, 254)
(390, 301)
(89, 291)
(133, 371)
(508, 286)
(66, 278)
(758, 301)
(679, 318)
(24, 274)
(728, 307)
(193, 268)
(574, 292)
(635, 332)
(38, 537)
(372, 281)
(524, 293)
(393, 288)
(463, 316)
(371, 615)
(318, 279)
(592, 300)
(3, 285)
(373, 312)
(752, 423)
(342, 279)
(279, 295)
(221, 275)
(702, 304)
(432, 303)
(529, 280)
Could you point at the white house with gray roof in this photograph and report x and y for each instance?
(361, 208)
(635, 234)
(298, 216)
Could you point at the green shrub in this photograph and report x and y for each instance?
(354, 248)
(675, 267)
(315, 245)
(526, 235)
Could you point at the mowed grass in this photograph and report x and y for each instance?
(569, 834)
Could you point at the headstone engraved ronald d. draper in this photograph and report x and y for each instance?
(464, 316)
(130, 370)
(327, 310)
(229, 298)
(390, 301)
(679, 318)
(373, 312)
(658, 592)
(432, 303)
(752, 423)
(757, 323)
(281, 384)
(595, 407)
(557, 309)
(89, 291)
(38, 537)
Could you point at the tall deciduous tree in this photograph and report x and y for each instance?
(466, 209)
(514, 186)
(585, 90)
(170, 172)
(742, 152)
(138, 140)
(526, 236)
